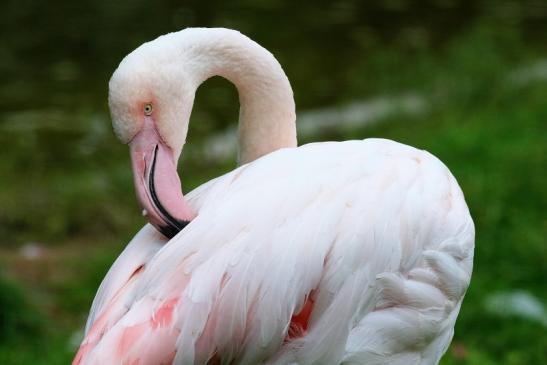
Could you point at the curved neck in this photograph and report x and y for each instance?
(267, 111)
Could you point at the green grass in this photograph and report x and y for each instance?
(489, 133)
(43, 324)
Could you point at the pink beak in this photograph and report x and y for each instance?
(157, 183)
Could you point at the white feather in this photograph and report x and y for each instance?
(371, 236)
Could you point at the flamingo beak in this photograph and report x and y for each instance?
(157, 183)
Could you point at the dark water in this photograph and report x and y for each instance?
(61, 53)
(56, 58)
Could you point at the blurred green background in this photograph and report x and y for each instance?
(466, 80)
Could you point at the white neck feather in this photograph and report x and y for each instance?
(267, 112)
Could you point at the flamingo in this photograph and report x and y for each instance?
(355, 252)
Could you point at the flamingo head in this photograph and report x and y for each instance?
(150, 100)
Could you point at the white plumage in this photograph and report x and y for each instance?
(374, 236)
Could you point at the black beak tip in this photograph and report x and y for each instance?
(170, 230)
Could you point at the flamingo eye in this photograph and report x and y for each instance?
(148, 109)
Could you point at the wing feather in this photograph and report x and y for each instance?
(134, 257)
(377, 231)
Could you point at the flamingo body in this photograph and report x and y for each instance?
(356, 252)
